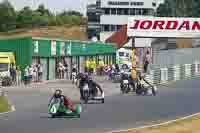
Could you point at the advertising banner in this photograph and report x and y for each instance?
(141, 26)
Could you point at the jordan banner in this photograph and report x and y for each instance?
(163, 27)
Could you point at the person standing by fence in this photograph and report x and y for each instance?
(147, 61)
(13, 74)
(18, 76)
(26, 75)
(40, 72)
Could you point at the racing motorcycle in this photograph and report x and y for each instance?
(88, 95)
(74, 78)
(147, 89)
(125, 86)
(57, 109)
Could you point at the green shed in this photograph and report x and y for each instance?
(50, 51)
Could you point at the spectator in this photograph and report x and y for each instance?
(30, 75)
(13, 74)
(87, 64)
(101, 65)
(117, 68)
(61, 70)
(18, 76)
(26, 75)
(35, 73)
(66, 71)
(40, 72)
(147, 61)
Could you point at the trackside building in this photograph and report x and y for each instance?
(48, 52)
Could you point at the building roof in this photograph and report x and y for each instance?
(119, 38)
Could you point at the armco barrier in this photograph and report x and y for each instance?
(173, 73)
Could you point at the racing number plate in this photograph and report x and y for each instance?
(125, 81)
(86, 87)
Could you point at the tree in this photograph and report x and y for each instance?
(165, 9)
(7, 16)
(25, 18)
(74, 13)
(43, 10)
(52, 20)
(179, 8)
(39, 20)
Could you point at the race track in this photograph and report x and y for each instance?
(118, 112)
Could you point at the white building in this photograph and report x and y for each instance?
(116, 13)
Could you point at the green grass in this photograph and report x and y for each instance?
(4, 106)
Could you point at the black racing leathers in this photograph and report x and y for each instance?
(94, 88)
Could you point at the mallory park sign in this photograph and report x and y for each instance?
(163, 27)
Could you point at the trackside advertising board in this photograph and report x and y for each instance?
(163, 27)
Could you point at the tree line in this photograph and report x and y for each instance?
(179, 8)
(10, 19)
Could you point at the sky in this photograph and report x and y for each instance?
(53, 5)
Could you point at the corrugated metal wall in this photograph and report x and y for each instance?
(165, 58)
(76, 48)
(22, 48)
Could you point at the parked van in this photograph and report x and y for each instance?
(123, 56)
(7, 59)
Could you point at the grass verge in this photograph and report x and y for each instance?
(4, 105)
(190, 125)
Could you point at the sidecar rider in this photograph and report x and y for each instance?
(94, 87)
(144, 85)
(124, 76)
(83, 79)
(64, 100)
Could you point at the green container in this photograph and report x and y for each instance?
(70, 48)
(21, 47)
(42, 49)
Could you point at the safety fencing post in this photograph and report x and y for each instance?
(170, 73)
(164, 75)
(177, 72)
(197, 68)
(188, 71)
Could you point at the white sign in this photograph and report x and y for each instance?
(53, 47)
(36, 46)
(126, 4)
(62, 48)
(163, 27)
(142, 42)
(69, 49)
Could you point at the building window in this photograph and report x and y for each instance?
(138, 12)
(119, 27)
(137, 3)
(113, 11)
(107, 11)
(126, 12)
(113, 28)
(106, 28)
(145, 12)
(119, 11)
(154, 4)
(132, 11)
(140, 3)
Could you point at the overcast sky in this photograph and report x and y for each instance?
(53, 5)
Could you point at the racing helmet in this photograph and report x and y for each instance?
(90, 79)
(58, 93)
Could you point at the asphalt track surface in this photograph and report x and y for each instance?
(118, 112)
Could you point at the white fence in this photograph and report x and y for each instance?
(167, 58)
(173, 73)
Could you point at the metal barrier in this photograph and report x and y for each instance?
(158, 76)
(2, 92)
(166, 58)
